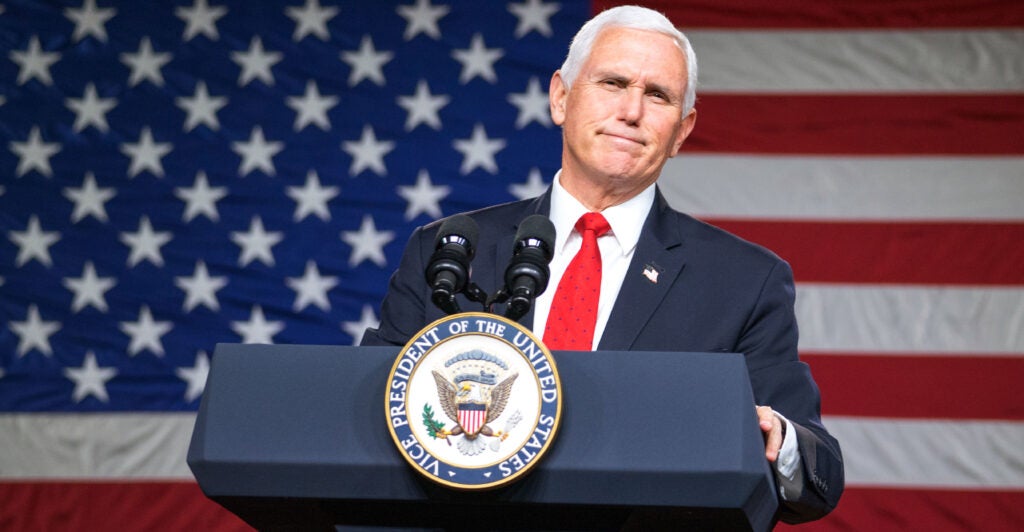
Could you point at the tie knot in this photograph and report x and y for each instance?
(593, 221)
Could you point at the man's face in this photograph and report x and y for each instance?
(622, 118)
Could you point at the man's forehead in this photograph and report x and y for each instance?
(622, 34)
(614, 48)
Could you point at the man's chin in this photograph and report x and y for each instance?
(620, 167)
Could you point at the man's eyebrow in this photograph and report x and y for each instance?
(607, 74)
(672, 95)
(650, 86)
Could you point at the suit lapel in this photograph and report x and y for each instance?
(656, 264)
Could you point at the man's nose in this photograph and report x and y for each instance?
(631, 105)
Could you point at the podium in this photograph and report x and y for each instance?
(295, 438)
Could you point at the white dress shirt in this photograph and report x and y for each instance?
(617, 247)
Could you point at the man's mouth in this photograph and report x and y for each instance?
(625, 137)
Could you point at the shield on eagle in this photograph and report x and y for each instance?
(472, 417)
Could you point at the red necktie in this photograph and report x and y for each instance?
(573, 312)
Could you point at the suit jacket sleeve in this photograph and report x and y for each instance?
(404, 309)
(780, 380)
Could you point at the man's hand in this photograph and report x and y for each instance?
(771, 426)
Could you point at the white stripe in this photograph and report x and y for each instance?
(95, 446)
(900, 188)
(857, 61)
(960, 454)
(890, 319)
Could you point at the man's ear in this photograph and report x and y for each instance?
(684, 131)
(557, 94)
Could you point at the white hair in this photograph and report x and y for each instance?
(637, 18)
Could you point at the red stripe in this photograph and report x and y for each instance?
(883, 510)
(904, 124)
(859, 14)
(922, 386)
(122, 506)
(181, 506)
(965, 253)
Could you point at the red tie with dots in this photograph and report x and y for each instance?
(573, 312)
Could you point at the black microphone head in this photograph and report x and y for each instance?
(527, 274)
(539, 229)
(461, 229)
(447, 273)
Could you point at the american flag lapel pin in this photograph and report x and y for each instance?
(651, 273)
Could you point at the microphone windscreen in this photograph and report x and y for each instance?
(539, 227)
(459, 225)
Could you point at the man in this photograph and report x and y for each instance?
(624, 98)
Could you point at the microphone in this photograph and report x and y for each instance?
(527, 274)
(447, 272)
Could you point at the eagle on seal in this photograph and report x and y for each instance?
(469, 396)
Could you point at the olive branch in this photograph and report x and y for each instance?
(434, 427)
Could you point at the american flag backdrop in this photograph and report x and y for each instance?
(174, 174)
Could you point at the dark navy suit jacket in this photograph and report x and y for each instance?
(714, 293)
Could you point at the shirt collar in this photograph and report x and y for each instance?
(626, 219)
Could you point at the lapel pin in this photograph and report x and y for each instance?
(651, 273)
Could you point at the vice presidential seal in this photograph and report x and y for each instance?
(473, 401)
